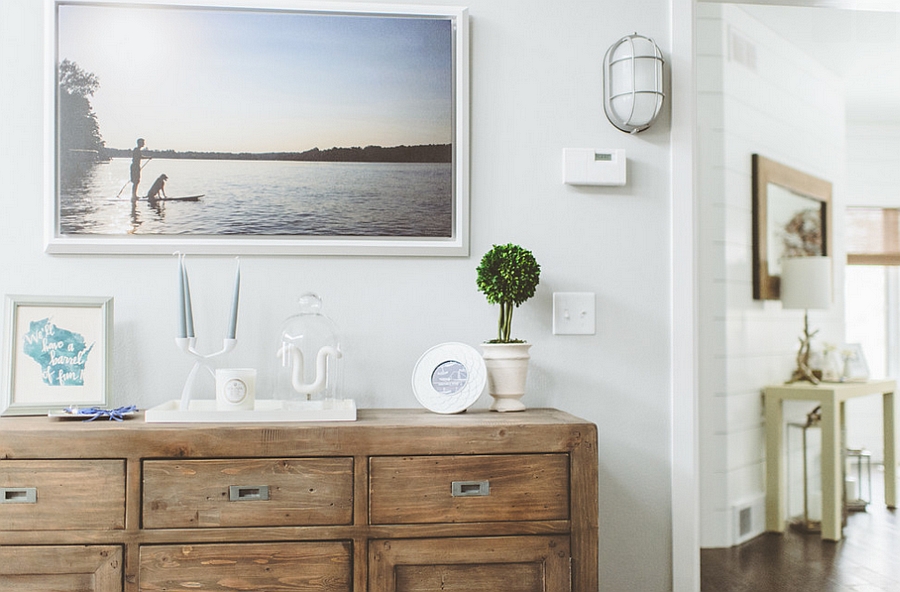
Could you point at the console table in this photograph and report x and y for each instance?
(397, 500)
(831, 396)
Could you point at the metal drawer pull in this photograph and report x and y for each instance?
(248, 493)
(470, 488)
(18, 495)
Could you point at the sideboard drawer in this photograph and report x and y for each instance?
(88, 568)
(472, 564)
(62, 494)
(490, 488)
(247, 492)
(320, 565)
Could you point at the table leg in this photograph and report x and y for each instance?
(832, 475)
(890, 452)
(775, 503)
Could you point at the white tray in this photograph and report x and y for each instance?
(266, 410)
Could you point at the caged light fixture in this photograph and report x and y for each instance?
(633, 83)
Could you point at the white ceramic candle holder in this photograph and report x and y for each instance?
(186, 341)
(186, 344)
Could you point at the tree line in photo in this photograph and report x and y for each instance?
(427, 153)
(79, 129)
(81, 144)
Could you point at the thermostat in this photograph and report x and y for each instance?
(589, 166)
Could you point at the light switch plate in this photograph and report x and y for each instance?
(574, 313)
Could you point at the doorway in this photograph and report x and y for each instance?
(783, 26)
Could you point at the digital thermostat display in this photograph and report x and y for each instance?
(603, 156)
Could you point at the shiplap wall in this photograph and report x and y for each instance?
(756, 94)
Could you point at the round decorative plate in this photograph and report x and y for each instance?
(449, 378)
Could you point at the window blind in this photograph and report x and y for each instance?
(873, 236)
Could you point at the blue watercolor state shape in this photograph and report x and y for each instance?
(62, 354)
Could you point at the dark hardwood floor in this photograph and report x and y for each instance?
(867, 559)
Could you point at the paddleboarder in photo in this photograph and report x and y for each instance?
(136, 157)
(157, 188)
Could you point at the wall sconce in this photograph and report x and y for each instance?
(633, 83)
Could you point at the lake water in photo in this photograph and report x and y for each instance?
(264, 198)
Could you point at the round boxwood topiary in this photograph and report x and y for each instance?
(507, 275)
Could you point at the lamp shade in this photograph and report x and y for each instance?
(806, 282)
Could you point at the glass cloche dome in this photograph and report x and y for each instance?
(309, 355)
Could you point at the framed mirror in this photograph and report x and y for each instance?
(791, 218)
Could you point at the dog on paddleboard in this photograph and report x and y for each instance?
(158, 188)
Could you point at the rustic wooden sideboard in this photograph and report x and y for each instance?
(400, 500)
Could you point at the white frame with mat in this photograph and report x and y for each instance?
(454, 239)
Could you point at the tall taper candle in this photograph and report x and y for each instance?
(190, 309)
(232, 326)
(182, 325)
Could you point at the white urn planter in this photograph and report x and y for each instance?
(507, 369)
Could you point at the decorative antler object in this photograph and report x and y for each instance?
(803, 370)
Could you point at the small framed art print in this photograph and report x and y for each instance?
(58, 353)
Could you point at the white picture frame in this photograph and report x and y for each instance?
(58, 353)
(856, 368)
(448, 378)
(94, 220)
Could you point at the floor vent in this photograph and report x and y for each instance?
(744, 523)
(749, 519)
(741, 50)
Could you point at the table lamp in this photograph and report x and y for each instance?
(805, 284)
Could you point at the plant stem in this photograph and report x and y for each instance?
(506, 310)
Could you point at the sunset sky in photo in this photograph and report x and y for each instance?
(242, 80)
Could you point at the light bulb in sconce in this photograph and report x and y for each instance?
(633, 83)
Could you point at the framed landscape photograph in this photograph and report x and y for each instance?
(58, 353)
(256, 128)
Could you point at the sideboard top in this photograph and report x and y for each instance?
(365, 417)
(374, 431)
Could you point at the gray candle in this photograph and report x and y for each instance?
(232, 326)
(190, 309)
(182, 325)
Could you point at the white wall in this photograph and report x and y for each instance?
(785, 106)
(536, 88)
(873, 156)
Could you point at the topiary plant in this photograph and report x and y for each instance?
(507, 275)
